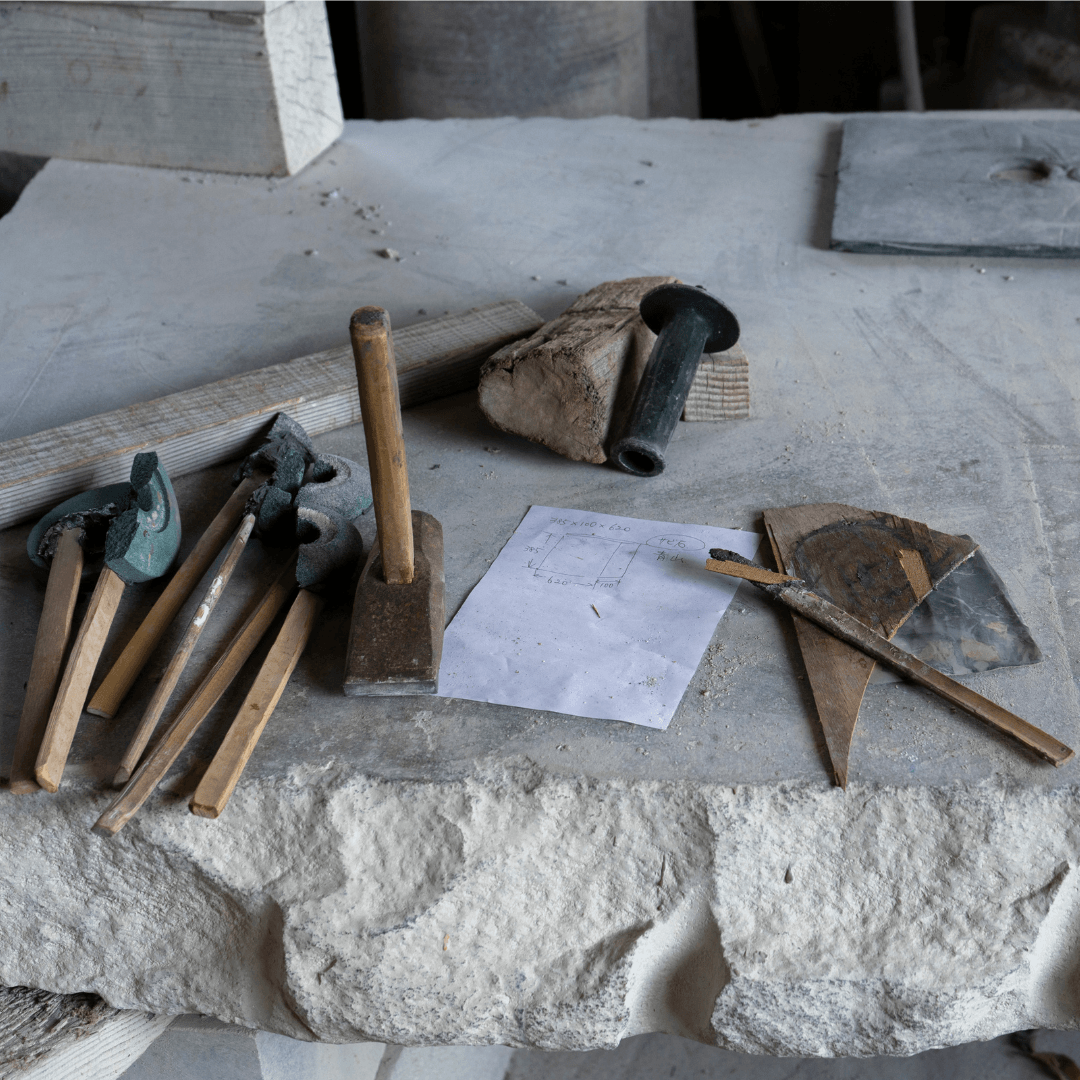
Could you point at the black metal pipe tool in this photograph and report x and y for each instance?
(687, 322)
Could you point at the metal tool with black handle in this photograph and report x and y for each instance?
(687, 322)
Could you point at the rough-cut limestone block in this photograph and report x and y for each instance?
(245, 87)
(569, 386)
(524, 908)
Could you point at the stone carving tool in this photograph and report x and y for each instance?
(687, 322)
(152, 769)
(57, 542)
(324, 509)
(140, 545)
(329, 551)
(287, 451)
(284, 439)
(396, 636)
(877, 567)
(793, 594)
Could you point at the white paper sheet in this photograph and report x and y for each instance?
(592, 615)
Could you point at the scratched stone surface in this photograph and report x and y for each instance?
(959, 184)
(428, 871)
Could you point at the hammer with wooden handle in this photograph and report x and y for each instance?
(59, 542)
(140, 545)
(286, 439)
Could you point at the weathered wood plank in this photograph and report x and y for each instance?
(193, 429)
(242, 89)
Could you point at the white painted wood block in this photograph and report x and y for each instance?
(240, 88)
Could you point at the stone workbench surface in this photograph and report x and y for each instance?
(433, 871)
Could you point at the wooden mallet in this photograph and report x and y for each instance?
(140, 545)
(58, 542)
(396, 635)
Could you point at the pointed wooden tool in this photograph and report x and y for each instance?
(877, 567)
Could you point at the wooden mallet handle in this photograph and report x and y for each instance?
(122, 675)
(220, 779)
(66, 710)
(182, 654)
(54, 632)
(380, 407)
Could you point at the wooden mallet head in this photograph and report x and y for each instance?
(395, 641)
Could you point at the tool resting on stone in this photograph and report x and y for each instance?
(58, 543)
(793, 594)
(284, 437)
(396, 636)
(140, 545)
(318, 517)
(687, 322)
(266, 509)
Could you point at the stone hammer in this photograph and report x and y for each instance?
(396, 635)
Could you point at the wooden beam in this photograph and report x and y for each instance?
(194, 429)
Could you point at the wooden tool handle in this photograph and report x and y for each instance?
(157, 763)
(54, 631)
(109, 695)
(847, 628)
(66, 710)
(380, 407)
(220, 779)
(183, 653)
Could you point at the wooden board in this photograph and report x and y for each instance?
(926, 185)
(569, 386)
(133, 83)
(193, 429)
(873, 565)
(45, 1036)
(721, 387)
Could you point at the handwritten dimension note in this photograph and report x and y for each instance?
(592, 615)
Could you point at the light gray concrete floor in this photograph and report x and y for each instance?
(195, 1048)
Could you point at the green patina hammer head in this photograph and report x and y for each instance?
(143, 540)
(136, 524)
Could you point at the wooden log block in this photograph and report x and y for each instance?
(194, 429)
(248, 87)
(569, 386)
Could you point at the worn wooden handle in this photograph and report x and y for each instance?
(220, 779)
(53, 634)
(156, 764)
(183, 654)
(122, 675)
(66, 710)
(847, 628)
(380, 407)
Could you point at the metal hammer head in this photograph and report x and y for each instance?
(286, 455)
(91, 511)
(143, 541)
(136, 524)
(325, 508)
